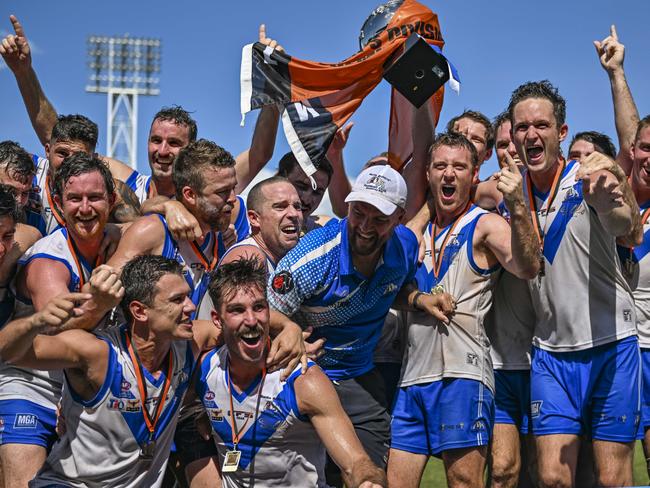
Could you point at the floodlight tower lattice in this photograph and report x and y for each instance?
(123, 68)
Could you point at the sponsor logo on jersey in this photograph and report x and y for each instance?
(25, 421)
(239, 415)
(627, 315)
(459, 426)
(115, 404)
(132, 406)
(215, 414)
(126, 385)
(535, 408)
(209, 395)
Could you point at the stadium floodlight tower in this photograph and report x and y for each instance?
(123, 68)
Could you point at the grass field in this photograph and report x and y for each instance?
(434, 476)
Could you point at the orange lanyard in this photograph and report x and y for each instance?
(236, 432)
(142, 387)
(437, 260)
(50, 201)
(73, 252)
(533, 205)
(208, 265)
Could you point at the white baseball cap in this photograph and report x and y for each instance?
(380, 186)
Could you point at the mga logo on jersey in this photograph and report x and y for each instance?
(25, 421)
(535, 408)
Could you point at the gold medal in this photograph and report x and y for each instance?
(437, 290)
(147, 449)
(231, 461)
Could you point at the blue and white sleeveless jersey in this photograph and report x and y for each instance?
(41, 387)
(101, 445)
(140, 184)
(636, 269)
(317, 284)
(582, 300)
(461, 349)
(44, 220)
(195, 272)
(279, 446)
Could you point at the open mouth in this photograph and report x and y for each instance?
(534, 153)
(290, 230)
(448, 191)
(252, 337)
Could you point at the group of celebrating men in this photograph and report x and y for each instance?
(161, 331)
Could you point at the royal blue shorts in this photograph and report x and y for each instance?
(645, 392)
(25, 422)
(449, 414)
(595, 392)
(512, 398)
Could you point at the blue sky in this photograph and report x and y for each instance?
(495, 45)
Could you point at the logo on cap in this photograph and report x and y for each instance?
(376, 183)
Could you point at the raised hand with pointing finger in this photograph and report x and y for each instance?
(15, 49)
(510, 183)
(610, 51)
(268, 41)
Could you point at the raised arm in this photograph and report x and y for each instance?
(516, 247)
(16, 52)
(17, 337)
(144, 237)
(611, 54)
(339, 186)
(249, 163)
(318, 400)
(415, 172)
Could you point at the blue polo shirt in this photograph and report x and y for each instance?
(316, 284)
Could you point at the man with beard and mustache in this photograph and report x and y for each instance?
(204, 178)
(280, 440)
(67, 260)
(342, 279)
(275, 215)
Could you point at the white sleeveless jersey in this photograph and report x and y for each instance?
(101, 445)
(49, 221)
(582, 300)
(636, 269)
(41, 387)
(279, 446)
(460, 349)
(511, 320)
